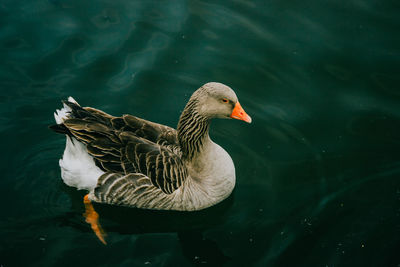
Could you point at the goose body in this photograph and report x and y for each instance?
(132, 162)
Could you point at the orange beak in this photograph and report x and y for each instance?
(239, 113)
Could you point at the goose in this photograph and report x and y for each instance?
(129, 161)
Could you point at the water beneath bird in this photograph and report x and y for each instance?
(317, 170)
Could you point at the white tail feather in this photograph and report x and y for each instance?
(77, 166)
(61, 114)
(71, 99)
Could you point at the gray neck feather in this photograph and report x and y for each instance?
(192, 130)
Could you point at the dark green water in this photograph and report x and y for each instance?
(318, 170)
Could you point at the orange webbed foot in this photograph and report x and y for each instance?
(92, 218)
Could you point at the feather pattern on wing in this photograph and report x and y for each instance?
(134, 189)
(129, 145)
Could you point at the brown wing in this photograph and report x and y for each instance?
(133, 190)
(128, 145)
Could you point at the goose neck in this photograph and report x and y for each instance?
(192, 131)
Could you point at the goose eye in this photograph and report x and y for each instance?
(224, 100)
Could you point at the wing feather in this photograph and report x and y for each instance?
(128, 147)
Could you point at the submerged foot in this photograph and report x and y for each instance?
(92, 218)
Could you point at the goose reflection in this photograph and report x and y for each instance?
(189, 226)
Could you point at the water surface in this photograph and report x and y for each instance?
(317, 170)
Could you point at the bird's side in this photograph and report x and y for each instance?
(121, 160)
(137, 163)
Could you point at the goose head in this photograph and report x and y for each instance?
(216, 100)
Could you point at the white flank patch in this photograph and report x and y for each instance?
(77, 166)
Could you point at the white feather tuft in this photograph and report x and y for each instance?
(61, 114)
(71, 99)
(77, 166)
